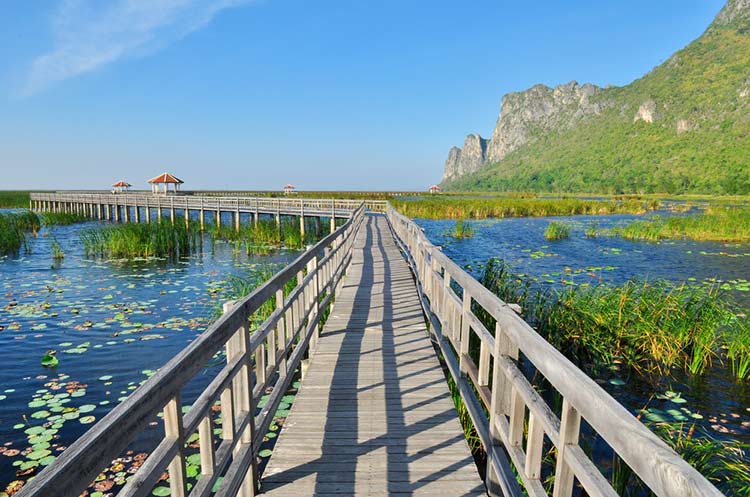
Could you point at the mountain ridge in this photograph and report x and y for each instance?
(684, 126)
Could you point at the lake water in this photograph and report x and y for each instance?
(715, 401)
(111, 323)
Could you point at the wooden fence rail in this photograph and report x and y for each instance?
(255, 362)
(510, 416)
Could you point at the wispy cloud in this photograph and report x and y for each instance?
(88, 34)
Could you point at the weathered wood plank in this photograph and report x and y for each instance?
(374, 415)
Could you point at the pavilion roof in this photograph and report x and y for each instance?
(165, 178)
(289, 187)
(122, 183)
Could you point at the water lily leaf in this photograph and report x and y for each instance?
(161, 491)
(38, 454)
(49, 360)
(86, 420)
(86, 408)
(265, 453)
(617, 382)
(105, 377)
(40, 414)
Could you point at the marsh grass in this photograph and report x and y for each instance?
(162, 239)
(14, 199)
(501, 207)
(14, 227)
(462, 230)
(57, 251)
(61, 218)
(651, 327)
(726, 224)
(592, 230)
(557, 231)
(265, 233)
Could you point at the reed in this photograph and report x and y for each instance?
(462, 230)
(124, 241)
(61, 218)
(14, 199)
(725, 224)
(57, 251)
(266, 233)
(651, 327)
(14, 227)
(557, 231)
(592, 230)
(500, 207)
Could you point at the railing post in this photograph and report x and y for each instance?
(173, 429)
(570, 427)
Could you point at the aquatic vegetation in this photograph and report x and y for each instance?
(650, 327)
(462, 230)
(500, 207)
(557, 231)
(57, 252)
(13, 229)
(266, 233)
(727, 224)
(129, 240)
(61, 218)
(592, 230)
(14, 199)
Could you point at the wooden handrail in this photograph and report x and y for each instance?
(509, 396)
(258, 361)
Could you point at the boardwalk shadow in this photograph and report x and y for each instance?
(375, 417)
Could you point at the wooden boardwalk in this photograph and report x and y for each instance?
(374, 415)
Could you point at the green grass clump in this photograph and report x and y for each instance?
(162, 239)
(62, 218)
(725, 224)
(14, 227)
(557, 231)
(651, 327)
(57, 251)
(462, 230)
(266, 233)
(592, 230)
(10, 199)
(501, 207)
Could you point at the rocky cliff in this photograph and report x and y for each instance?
(523, 117)
(684, 126)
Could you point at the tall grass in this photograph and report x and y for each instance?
(499, 207)
(462, 230)
(61, 218)
(727, 224)
(162, 239)
(14, 199)
(557, 231)
(266, 233)
(14, 227)
(651, 327)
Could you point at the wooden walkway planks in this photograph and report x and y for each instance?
(374, 415)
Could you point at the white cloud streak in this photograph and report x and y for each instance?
(89, 34)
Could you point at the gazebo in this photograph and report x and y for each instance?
(434, 189)
(165, 179)
(120, 186)
(289, 189)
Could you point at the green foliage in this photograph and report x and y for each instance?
(610, 152)
(129, 240)
(61, 218)
(651, 327)
(500, 207)
(13, 229)
(557, 231)
(726, 224)
(462, 230)
(266, 233)
(57, 252)
(13, 199)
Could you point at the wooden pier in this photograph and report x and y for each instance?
(374, 307)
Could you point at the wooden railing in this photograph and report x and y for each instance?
(264, 205)
(510, 417)
(256, 361)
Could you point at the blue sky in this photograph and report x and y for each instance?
(246, 94)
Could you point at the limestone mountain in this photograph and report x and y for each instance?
(684, 126)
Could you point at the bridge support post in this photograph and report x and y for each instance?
(237, 215)
(148, 213)
(202, 216)
(117, 212)
(99, 211)
(217, 218)
(137, 214)
(126, 208)
(171, 210)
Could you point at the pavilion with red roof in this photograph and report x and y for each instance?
(120, 186)
(288, 189)
(434, 189)
(165, 179)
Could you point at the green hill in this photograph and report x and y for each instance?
(684, 127)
